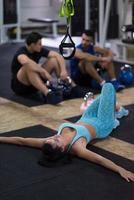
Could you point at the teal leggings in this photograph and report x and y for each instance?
(101, 113)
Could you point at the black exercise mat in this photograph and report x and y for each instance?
(22, 178)
(7, 51)
(126, 129)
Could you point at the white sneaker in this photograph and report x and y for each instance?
(121, 113)
(116, 123)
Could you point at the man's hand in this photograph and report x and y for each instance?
(105, 61)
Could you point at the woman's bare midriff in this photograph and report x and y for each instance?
(90, 128)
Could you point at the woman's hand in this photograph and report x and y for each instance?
(127, 175)
(96, 158)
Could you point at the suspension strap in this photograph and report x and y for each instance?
(67, 46)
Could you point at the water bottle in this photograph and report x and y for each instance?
(87, 101)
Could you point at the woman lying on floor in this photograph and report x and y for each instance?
(97, 121)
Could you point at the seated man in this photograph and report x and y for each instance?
(28, 76)
(82, 66)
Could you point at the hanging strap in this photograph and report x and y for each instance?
(70, 45)
(67, 10)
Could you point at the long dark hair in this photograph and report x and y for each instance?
(52, 157)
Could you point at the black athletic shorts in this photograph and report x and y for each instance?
(20, 88)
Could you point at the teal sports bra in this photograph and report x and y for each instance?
(81, 131)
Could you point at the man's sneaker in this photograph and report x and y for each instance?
(79, 92)
(121, 113)
(117, 85)
(54, 97)
(116, 123)
(54, 87)
(66, 86)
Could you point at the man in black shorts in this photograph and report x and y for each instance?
(28, 76)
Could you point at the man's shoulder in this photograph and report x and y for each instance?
(21, 50)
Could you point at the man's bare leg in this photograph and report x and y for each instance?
(88, 68)
(31, 77)
(34, 76)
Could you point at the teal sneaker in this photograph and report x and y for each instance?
(121, 113)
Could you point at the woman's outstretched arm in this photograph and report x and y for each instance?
(31, 142)
(96, 158)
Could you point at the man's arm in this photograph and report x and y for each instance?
(86, 56)
(104, 52)
(25, 60)
(98, 159)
